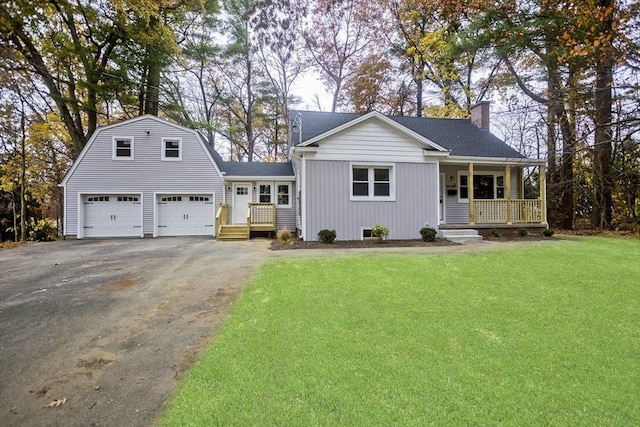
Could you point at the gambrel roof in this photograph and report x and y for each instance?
(461, 137)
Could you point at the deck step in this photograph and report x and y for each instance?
(460, 235)
(233, 232)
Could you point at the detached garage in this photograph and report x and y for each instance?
(185, 215)
(143, 177)
(111, 215)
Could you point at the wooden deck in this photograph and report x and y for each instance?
(261, 217)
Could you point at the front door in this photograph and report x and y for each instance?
(241, 198)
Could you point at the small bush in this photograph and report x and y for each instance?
(428, 234)
(42, 230)
(327, 236)
(523, 231)
(496, 233)
(548, 232)
(380, 231)
(284, 235)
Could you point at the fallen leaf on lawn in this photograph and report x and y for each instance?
(57, 403)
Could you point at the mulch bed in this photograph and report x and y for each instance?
(353, 244)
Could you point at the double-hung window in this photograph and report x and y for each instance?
(269, 192)
(372, 182)
(283, 195)
(122, 148)
(171, 149)
(264, 195)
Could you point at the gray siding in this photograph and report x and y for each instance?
(458, 212)
(285, 217)
(146, 174)
(328, 205)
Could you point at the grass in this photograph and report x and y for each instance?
(543, 334)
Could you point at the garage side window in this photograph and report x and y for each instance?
(122, 148)
(172, 149)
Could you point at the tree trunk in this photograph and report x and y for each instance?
(152, 86)
(249, 125)
(418, 96)
(23, 180)
(601, 215)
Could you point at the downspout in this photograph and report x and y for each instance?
(303, 196)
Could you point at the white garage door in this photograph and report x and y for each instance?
(185, 215)
(112, 215)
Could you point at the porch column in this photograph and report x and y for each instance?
(520, 183)
(472, 209)
(507, 189)
(543, 193)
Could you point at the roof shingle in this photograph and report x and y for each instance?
(460, 136)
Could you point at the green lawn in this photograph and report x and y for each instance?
(545, 334)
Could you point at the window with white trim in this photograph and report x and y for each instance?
(372, 182)
(264, 193)
(486, 186)
(283, 195)
(172, 149)
(122, 148)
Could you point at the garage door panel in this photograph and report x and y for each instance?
(112, 215)
(185, 215)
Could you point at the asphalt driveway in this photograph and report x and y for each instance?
(110, 325)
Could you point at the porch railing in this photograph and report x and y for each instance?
(222, 217)
(261, 216)
(522, 211)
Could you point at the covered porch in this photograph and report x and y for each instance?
(260, 217)
(493, 196)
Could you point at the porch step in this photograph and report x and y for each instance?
(460, 235)
(233, 232)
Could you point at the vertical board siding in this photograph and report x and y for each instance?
(328, 204)
(146, 174)
(371, 140)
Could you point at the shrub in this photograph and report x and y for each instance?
(327, 236)
(380, 231)
(548, 232)
(428, 234)
(496, 233)
(42, 230)
(523, 231)
(284, 235)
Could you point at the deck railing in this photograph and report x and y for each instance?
(261, 216)
(222, 217)
(522, 211)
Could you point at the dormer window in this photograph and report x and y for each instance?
(122, 148)
(171, 149)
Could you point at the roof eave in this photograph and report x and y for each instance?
(259, 178)
(495, 160)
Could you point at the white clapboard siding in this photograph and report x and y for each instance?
(146, 173)
(329, 206)
(372, 141)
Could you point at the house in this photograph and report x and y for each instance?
(356, 170)
(149, 177)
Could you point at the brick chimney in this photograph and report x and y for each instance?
(480, 114)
